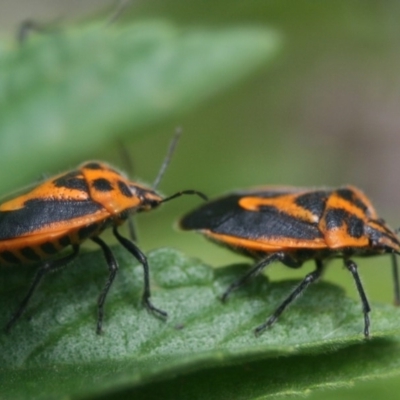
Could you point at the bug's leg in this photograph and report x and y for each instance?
(49, 266)
(310, 278)
(352, 267)
(137, 253)
(251, 273)
(113, 268)
(395, 271)
(132, 229)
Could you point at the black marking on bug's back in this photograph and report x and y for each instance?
(71, 181)
(38, 213)
(30, 254)
(267, 194)
(98, 166)
(272, 222)
(336, 217)
(49, 248)
(64, 241)
(313, 201)
(86, 231)
(10, 257)
(225, 216)
(212, 214)
(124, 189)
(102, 185)
(349, 195)
(92, 165)
(355, 226)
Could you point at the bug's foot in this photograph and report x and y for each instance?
(266, 325)
(153, 309)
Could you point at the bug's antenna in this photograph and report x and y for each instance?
(395, 273)
(29, 26)
(167, 159)
(26, 28)
(121, 6)
(125, 156)
(183, 192)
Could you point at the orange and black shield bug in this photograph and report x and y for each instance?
(293, 225)
(68, 209)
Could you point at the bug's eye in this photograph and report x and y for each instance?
(149, 204)
(154, 203)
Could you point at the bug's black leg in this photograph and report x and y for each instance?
(352, 267)
(310, 278)
(395, 271)
(48, 266)
(136, 252)
(113, 268)
(251, 273)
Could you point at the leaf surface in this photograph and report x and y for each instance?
(54, 349)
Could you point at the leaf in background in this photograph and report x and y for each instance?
(53, 351)
(70, 90)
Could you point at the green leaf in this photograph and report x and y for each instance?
(54, 351)
(69, 91)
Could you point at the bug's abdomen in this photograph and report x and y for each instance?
(35, 248)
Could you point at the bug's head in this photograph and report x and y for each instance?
(149, 199)
(382, 236)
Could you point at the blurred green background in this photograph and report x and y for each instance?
(325, 113)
